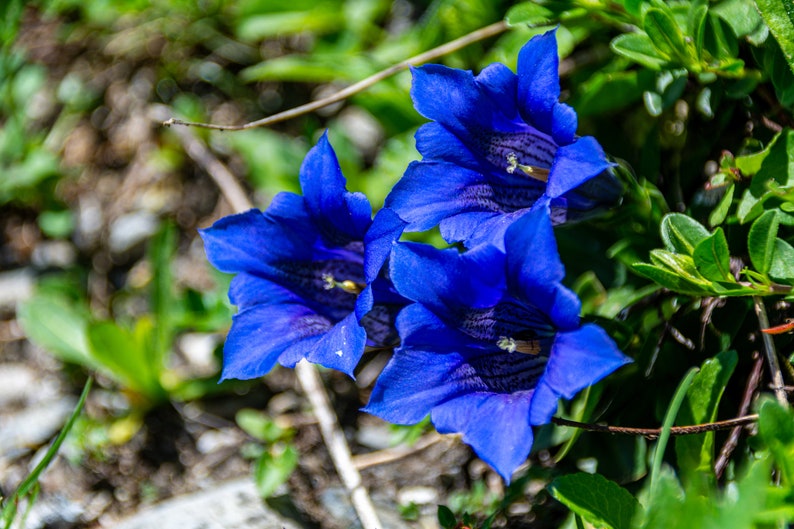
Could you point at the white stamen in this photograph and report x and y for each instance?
(506, 343)
(328, 282)
(512, 162)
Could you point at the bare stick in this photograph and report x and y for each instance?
(337, 444)
(390, 455)
(733, 439)
(653, 433)
(307, 374)
(444, 49)
(769, 350)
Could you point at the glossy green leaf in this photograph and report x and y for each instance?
(712, 257)
(273, 469)
(667, 279)
(782, 267)
(719, 213)
(683, 265)
(599, 501)
(681, 233)
(446, 518)
(639, 48)
(779, 16)
(776, 170)
(695, 453)
(696, 24)
(761, 241)
(528, 13)
(665, 34)
(741, 15)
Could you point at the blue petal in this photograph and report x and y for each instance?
(420, 329)
(539, 80)
(247, 290)
(231, 243)
(544, 404)
(341, 347)
(437, 143)
(264, 334)
(387, 227)
(575, 164)
(495, 425)
(411, 385)
(431, 191)
(328, 200)
(580, 358)
(478, 227)
(448, 280)
(500, 85)
(564, 124)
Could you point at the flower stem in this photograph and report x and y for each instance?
(440, 51)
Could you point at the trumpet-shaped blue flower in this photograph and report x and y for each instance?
(499, 143)
(491, 342)
(307, 275)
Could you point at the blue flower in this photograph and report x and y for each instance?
(499, 143)
(307, 278)
(491, 342)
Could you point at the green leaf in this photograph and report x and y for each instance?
(446, 518)
(749, 164)
(257, 424)
(665, 34)
(599, 501)
(528, 13)
(696, 24)
(696, 452)
(776, 170)
(273, 469)
(681, 233)
(761, 241)
(779, 16)
(162, 248)
(639, 48)
(55, 325)
(125, 357)
(683, 265)
(668, 279)
(712, 257)
(782, 267)
(663, 507)
(776, 428)
(719, 213)
(741, 15)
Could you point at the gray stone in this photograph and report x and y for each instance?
(33, 426)
(230, 505)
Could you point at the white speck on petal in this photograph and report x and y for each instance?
(338, 353)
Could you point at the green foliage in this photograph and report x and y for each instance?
(275, 457)
(597, 500)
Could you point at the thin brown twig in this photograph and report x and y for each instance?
(308, 377)
(653, 433)
(444, 49)
(771, 356)
(390, 455)
(750, 389)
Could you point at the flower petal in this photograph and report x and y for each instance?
(341, 347)
(326, 196)
(387, 227)
(500, 85)
(448, 279)
(539, 80)
(264, 334)
(431, 191)
(580, 358)
(494, 425)
(575, 164)
(247, 290)
(435, 142)
(411, 385)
